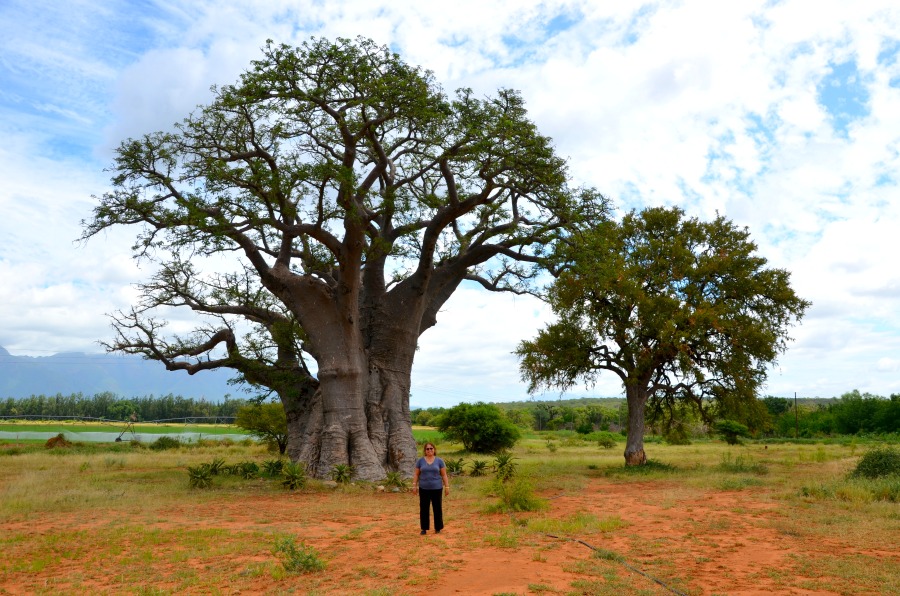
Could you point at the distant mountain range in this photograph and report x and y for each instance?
(126, 376)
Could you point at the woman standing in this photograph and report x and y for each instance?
(430, 475)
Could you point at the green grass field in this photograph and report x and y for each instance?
(122, 518)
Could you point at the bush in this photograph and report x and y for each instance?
(515, 496)
(604, 439)
(165, 442)
(732, 431)
(878, 463)
(480, 427)
(298, 559)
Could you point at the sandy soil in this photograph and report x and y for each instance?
(696, 541)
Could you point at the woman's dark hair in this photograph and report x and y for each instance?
(426, 446)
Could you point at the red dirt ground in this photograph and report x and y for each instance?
(711, 542)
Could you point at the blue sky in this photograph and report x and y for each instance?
(781, 115)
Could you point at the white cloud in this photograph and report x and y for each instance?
(888, 365)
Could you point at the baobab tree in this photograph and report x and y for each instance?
(351, 197)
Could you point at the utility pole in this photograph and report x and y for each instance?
(796, 417)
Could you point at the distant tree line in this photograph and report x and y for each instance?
(852, 414)
(115, 407)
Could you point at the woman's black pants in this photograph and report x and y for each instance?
(430, 497)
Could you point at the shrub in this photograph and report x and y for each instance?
(878, 463)
(165, 442)
(732, 431)
(293, 475)
(200, 476)
(515, 496)
(480, 427)
(342, 473)
(298, 559)
(605, 439)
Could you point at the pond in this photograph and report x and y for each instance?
(108, 437)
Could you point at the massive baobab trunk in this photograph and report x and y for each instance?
(372, 432)
(360, 415)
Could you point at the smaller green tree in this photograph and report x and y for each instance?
(684, 312)
(266, 421)
(732, 431)
(480, 427)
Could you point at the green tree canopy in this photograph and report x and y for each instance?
(683, 311)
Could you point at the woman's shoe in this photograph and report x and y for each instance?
(423, 532)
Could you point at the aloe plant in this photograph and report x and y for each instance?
(479, 468)
(200, 476)
(293, 476)
(455, 466)
(504, 466)
(272, 467)
(342, 473)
